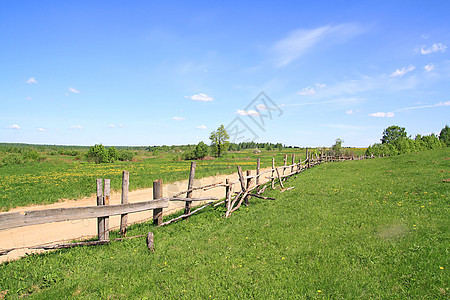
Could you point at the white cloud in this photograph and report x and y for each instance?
(434, 48)
(72, 90)
(250, 112)
(300, 41)
(178, 118)
(350, 112)
(14, 126)
(382, 115)
(111, 126)
(402, 71)
(42, 130)
(261, 107)
(32, 80)
(201, 127)
(76, 127)
(429, 67)
(440, 104)
(307, 91)
(311, 90)
(28, 98)
(201, 98)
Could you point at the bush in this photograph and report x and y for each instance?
(113, 154)
(201, 150)
(98, 154)
(126, 155)
(12, 159)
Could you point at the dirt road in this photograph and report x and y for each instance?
(52, 233)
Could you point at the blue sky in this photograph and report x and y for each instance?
(153, 73)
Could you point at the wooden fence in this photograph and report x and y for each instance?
(236, 193)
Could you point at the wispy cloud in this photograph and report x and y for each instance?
(201, 98)
(28, 98)
(340, 101)
(402, 71)
(350, 112)
(111, 126)
(344, 126)
(201, 127)
(14, 127)
(440, 104)
(32, 80)
(178, 118)
(72, 90)
(434, 48)
(382, 115)
(300, 41)
(312, 90)
(429, 67)
(76, 127)
(250, 112)
(42, 130)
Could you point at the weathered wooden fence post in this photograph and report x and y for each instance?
(227, 191)
(258, 170)
(100, 221)
(285, 164)
(157, 193)
(124, 200)
(106, 202)
(249, 180)
(273, 173)
(293, 163)
(187, 208)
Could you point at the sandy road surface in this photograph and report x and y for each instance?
(51, 233)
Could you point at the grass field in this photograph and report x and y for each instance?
(373, 229)
(63, 177)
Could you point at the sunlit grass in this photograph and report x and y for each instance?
(373, 229)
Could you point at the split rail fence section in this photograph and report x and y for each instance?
(247, 186)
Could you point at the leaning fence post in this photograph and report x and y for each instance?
(157, 193)
(247, 198)
(124, 200)
(187, 208)
(100, 220)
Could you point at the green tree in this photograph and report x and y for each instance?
(113, 154)
(201, 150)
(219, 140)
(393, 134)
(98, 154)
(337, 147)
(444, 136)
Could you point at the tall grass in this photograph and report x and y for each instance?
(374, 229)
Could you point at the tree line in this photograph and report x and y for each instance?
(395, 141)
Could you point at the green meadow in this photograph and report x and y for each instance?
(372, 229)
(59, 176)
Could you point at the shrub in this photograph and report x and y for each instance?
(201, 150)
(126, 155)
(98, 154)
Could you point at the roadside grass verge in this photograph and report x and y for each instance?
(372, 229)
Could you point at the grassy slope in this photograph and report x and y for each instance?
(357, 230)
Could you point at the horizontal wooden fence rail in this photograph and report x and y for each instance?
(20, 219)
